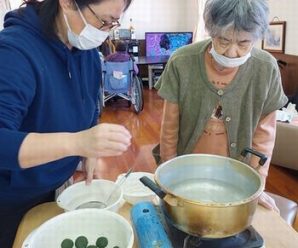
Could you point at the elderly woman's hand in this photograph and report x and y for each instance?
(268, 202)
(102, 140)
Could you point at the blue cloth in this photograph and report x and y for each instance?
(9, 221)
(44, 88)
(121, 57)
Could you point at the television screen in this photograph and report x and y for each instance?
(165, 43)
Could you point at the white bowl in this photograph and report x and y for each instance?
(135, 191)
(99, 190)
(91, 223)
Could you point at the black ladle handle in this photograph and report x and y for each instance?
(151, 185)
(263, 158)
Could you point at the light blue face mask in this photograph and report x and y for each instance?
(89, 38)
(229, 62)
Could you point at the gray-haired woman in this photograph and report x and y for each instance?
(221, 94)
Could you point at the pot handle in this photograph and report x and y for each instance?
(263, 158)
(168, 198)
(151, 185)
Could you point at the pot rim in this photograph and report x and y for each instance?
(216, 205)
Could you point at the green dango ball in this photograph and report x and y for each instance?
(81, 242)
(102, 242)
(67, 243)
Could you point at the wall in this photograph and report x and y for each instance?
(160, 15)
(15, 3)
(156, 15)
(4, 7)
(286, 10)
(191, 14)
(180, 15)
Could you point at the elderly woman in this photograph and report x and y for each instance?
(49, 80)
(221, 94)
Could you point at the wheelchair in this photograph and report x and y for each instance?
(119, 80)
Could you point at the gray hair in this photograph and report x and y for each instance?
(242, 15)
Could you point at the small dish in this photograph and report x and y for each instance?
(134, 191)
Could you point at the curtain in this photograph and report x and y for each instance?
(200, 33)
(4, 7)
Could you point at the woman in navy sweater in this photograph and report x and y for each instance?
(49, 79)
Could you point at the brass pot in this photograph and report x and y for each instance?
(207, 195)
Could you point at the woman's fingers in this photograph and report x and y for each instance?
(118, 138)
(117, 128)
(103, 140)
(92, 168)
(89, 175)
(114, 146)
(268, 202)
(90, 165)
(112, 129)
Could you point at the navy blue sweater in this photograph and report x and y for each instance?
(44, 88)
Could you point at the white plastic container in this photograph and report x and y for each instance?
(99, 190)
(91, 223)
(134, 191)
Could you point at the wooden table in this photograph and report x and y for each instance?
(274, 230)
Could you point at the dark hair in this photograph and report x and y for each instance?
(49, 9)
(121, 46)
(165, 42)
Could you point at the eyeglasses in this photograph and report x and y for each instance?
(105, 25)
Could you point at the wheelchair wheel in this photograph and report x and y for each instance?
(137, 95)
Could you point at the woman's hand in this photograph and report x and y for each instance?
(102, 140)
(90, 170)
(268, 202)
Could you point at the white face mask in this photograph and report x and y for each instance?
(229, 62)
(89, 38)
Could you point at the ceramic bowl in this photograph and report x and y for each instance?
(91, 223)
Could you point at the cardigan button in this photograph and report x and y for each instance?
(220, 92)
(228, 119)
(233, 145)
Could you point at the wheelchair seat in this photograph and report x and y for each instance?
(119, 80)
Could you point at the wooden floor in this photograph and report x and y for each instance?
(145, 132)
